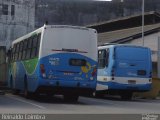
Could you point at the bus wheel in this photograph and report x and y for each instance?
(71, 98)
(126, 96)
(11, 82)
(14, 91)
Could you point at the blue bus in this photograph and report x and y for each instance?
(123, 69)
(55, 59)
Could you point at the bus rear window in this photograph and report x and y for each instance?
(131, 53)
(77, 62)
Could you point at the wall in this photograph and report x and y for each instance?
(150, 41)
(16, 22)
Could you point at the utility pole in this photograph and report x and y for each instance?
(143, 22)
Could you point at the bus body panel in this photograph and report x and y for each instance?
(28, 69)
(132, 62)
(63, 44)
(57, 69)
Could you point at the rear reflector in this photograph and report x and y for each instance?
(141, 72)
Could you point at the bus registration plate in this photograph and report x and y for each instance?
(131, 81)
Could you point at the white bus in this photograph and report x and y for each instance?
(55, 59)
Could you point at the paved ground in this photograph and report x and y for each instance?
(56, 105)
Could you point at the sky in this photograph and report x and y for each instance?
(87, 0)
(102, 0)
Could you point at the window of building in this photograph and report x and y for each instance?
(5, 9)
(12, 10)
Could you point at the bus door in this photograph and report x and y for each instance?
(103, 68)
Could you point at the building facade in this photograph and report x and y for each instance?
(17, 18)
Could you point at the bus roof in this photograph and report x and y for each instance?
(115, 45)
(50, 26)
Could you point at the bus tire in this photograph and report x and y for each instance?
(11, 82)
(126, 96)
(13, 90)
(71, 98)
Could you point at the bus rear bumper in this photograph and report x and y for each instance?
(65, 90)
(130, 87)
(62, 87)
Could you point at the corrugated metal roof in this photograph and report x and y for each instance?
(120, 35)
(127, 22)
(123, 18)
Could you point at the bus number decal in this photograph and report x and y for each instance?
(54, 61)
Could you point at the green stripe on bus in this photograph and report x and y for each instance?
(30, 65)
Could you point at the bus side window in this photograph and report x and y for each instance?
(24, 49)
(29, 46)
(20, 50)
(38, 43)
(101, 58)
(34, 45)
(17, 51)
(13, 52)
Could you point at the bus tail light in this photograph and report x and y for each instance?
(43, 71)
(94, 72)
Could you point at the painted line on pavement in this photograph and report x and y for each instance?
(100, 101)
(24, 101)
